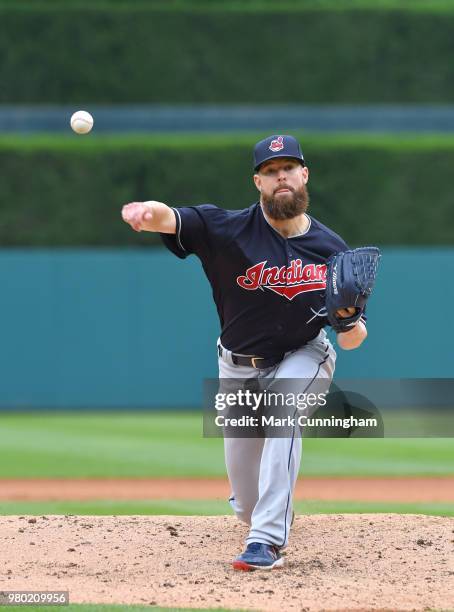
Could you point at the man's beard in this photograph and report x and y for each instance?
(286, 206)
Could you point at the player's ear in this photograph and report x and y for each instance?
(306, 174)
(257, 181)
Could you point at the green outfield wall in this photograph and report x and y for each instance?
(226, 52)
(126, 328)
(68, 191)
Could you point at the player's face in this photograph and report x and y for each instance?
(282, 186)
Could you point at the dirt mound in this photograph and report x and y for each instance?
(334, 562)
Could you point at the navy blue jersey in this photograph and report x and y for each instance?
(268, 290)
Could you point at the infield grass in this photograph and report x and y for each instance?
(210, 507)
(170, 444)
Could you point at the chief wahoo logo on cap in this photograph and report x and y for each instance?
(277, 145)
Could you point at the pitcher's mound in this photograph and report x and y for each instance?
(333, 562)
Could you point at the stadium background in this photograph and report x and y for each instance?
(106, 338)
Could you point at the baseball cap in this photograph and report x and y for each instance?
(277, 146)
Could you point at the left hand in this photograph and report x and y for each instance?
(344, 313)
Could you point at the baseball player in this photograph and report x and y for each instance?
(267, 267)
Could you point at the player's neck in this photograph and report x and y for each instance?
(289, 227)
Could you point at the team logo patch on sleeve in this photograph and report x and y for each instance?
(288, 281)
(277, 144)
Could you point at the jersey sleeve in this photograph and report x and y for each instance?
(195, 231)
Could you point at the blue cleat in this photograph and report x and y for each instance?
(258, 556)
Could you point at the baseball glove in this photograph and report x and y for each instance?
(349, 282)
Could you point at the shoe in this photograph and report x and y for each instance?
(258, 556)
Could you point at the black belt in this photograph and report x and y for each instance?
(260, 363)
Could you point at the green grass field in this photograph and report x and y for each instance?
(210, 507)
(166, 444)
(170, 444)
(112, 445)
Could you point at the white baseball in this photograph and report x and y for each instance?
(81, 122)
